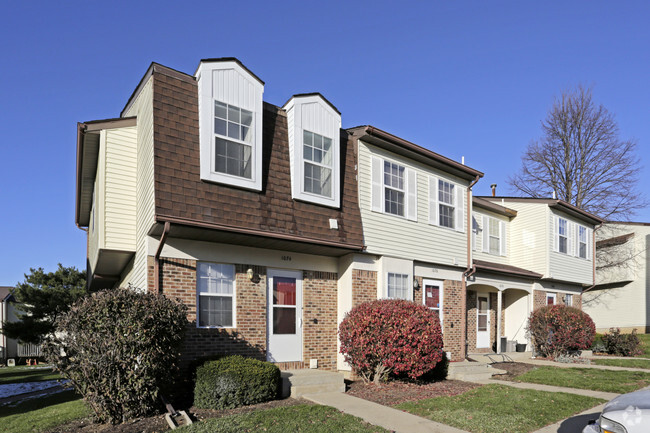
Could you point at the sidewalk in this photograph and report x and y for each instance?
(382, 416)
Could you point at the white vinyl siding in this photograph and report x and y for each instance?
(529, 241)
(401, 237)
(568, 266)
(145, 204)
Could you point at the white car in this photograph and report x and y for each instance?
(627, 413)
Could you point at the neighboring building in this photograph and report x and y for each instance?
(8, 346)
(270, 223)
(621, 297)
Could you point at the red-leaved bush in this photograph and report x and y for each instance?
(391, 336)
(557, 330)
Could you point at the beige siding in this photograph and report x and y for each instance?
(120, 196)
(145, 207)
(93, 228)
(529, 248)
(566, 267)
(398, 237)
(478, 253)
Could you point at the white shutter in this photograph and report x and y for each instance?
(459, 224)
(502, 237)
(377, 184)
(486, 233)
(555, 231)
(433, 201)
(411, 195)
(590, 238)
(570, 238)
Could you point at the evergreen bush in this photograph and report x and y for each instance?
(557, 330)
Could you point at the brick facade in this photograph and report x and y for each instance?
(539, 299)
(453, 319)
(364, 286)
(178, 280)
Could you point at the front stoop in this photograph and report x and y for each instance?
(472, 371)
(296, 383)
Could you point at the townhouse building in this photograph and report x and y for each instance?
(270, 223)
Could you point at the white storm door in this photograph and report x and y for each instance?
(482, 320)
(284, 305)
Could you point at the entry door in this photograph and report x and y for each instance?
(284, 316)
(432, 296)
(482, 320)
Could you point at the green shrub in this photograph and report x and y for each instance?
(235, 381)
(120, 349)
(557, 330)
(621, 344)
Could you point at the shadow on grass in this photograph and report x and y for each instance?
(578, 422)
(39, 403)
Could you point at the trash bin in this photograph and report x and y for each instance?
(521, 347)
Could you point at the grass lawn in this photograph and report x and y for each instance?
(44, 413)
(500, 408)
(299, 418)
(26, 374)
(587, 378)
(630, 363)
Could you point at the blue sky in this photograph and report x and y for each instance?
(463, 78)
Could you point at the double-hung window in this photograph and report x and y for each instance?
(216, 291)
(233, 140)
(494, 238)
(446, 204)
(582, 242)
(317, 156)
(397, 286)
(568, 300)
(563, 235)
(393, 188)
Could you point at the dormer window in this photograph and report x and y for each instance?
(230, 123)
(314, 149)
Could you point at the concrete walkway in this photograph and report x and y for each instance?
(382, 416)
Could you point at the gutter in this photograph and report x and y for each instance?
(471, 269)
(81, 129)
(593, 257)
(156, 262)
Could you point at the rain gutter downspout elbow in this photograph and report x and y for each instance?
(156, 259)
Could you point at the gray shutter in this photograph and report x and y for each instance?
(377, 184)
(486, 234)
(502, 237)
(459, 224)
(411, 195)
(433, 201)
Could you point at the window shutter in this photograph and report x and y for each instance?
(459, 224)
(590, 239)
(556, 233)
(474, 232)
(433, 201)
(486, 234)
(570, 238)
(502, 237)
(377, 184)
(411, 195)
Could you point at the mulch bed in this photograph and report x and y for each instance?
(514, 369)
(396, 392)
(157, 424)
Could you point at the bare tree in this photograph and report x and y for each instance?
(581, 159)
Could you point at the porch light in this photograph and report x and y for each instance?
(416, 284)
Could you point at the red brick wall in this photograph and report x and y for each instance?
(453, 318)
(178, 280)
(364, 286)
(540, 299)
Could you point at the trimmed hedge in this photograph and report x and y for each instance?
(390, 336)
(235, 381)
(558, 330)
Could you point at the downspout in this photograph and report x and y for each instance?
(593, 259)
(156, 259)
(471, 269)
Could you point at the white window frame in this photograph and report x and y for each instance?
(441, 291)
(550, 295)
(321, 165)
(579, 242)
(458, 204)
(501, 235)
(568, 300)
(378, 195)
(230, 83)
(232, 295)
(451, 204)
(407, 288)
(560, 236)
(388, 187)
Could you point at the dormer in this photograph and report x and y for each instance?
(314, 149)
(230, 123)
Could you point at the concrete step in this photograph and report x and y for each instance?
(472, 371)
(296, 383)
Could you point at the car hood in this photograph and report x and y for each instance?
(637, 400)
(631, 410)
